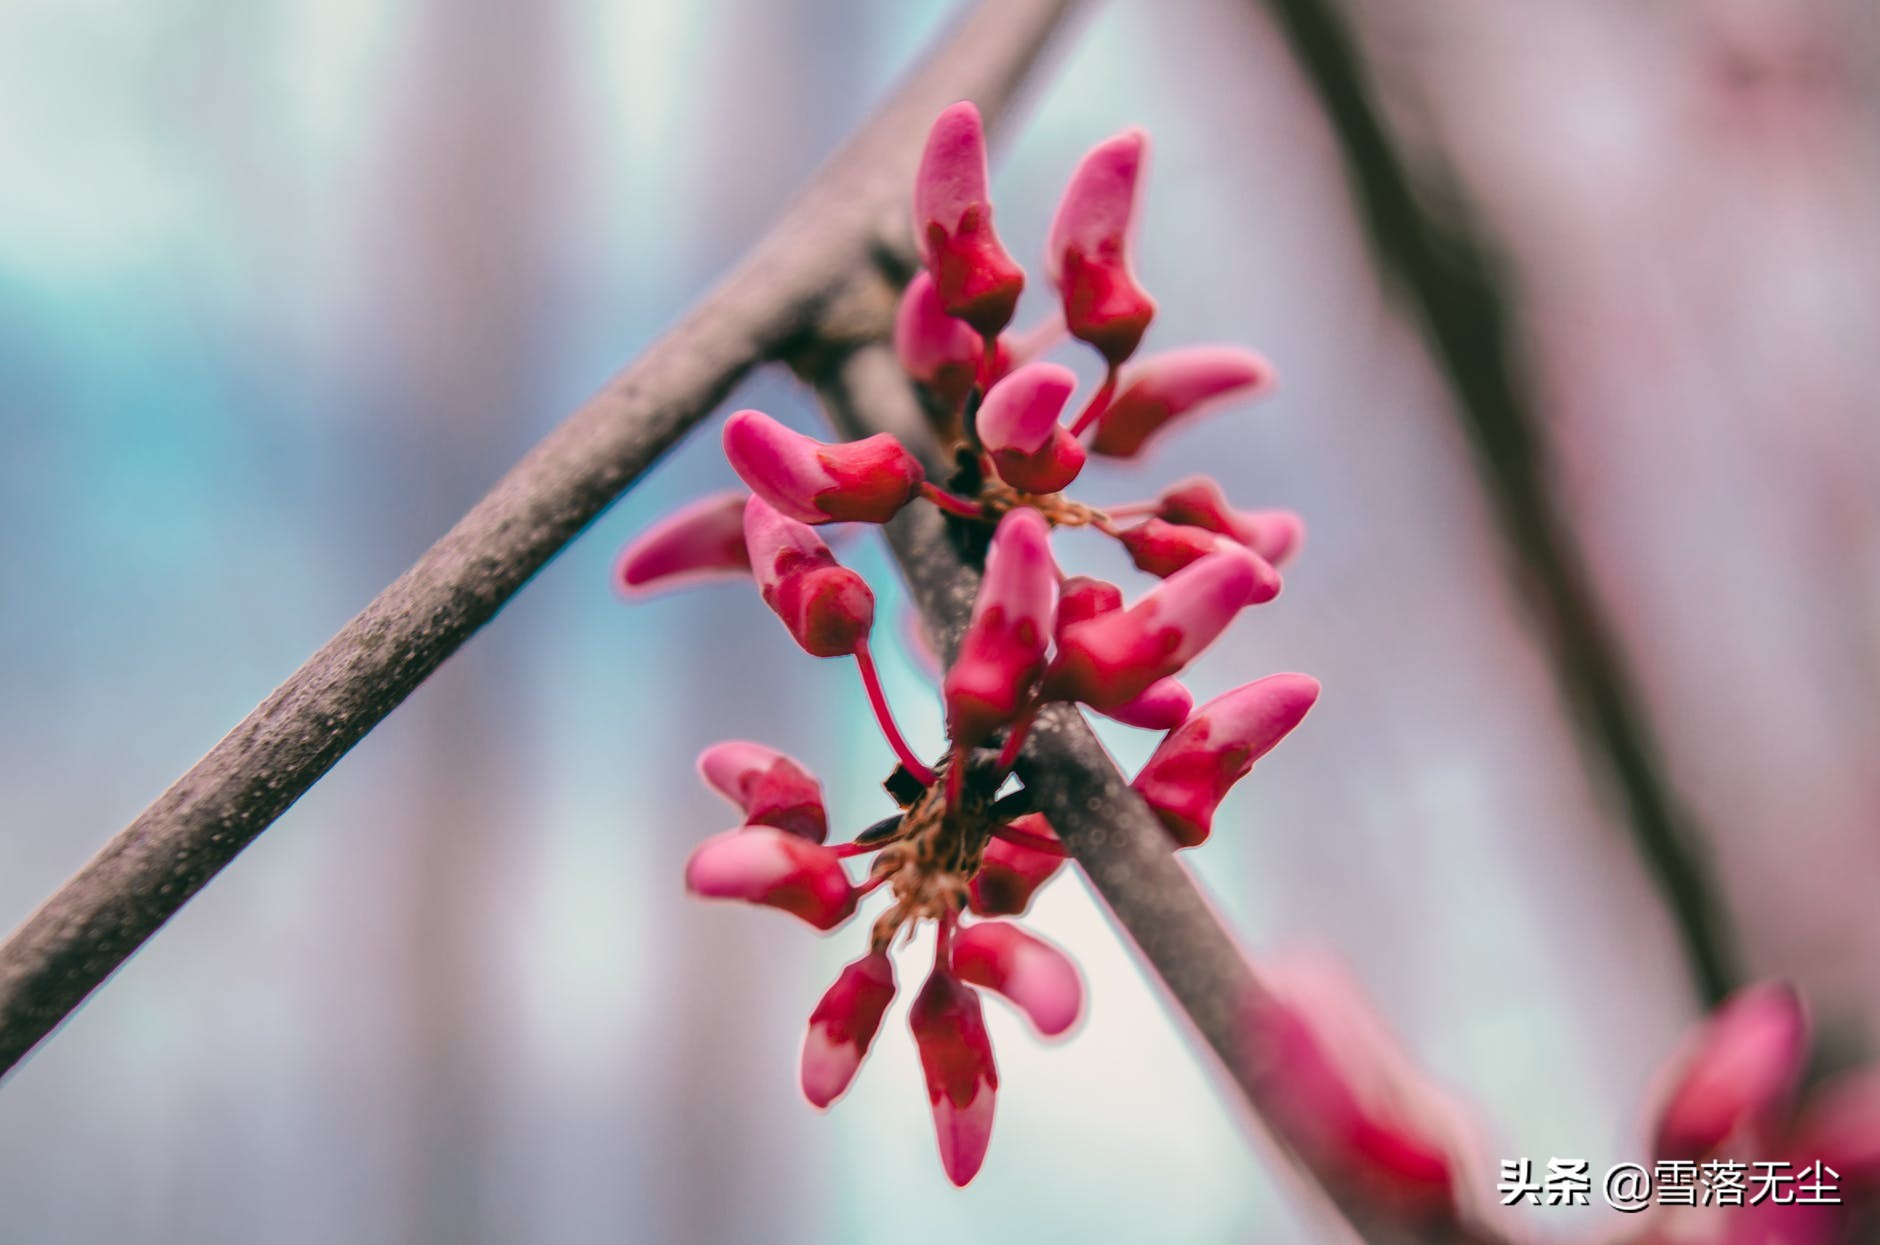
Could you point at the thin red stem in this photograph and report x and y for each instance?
(1099, 403)
(1132, 509)
(949, 502)
(987, 361)
(846, 850)
(956, 778)
(868, 886)
(878, 701)
(1025, 838)
(1015, 738)
(943, 943)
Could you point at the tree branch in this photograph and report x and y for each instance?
(1446, 269)
(1115, 838)
(152, 867)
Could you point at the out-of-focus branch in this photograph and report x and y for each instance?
(1447, 270)
(152, 867)
(1116, 839)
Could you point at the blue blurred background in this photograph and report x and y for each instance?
(285, 285)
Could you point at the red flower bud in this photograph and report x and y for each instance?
(1003, 650)
(1009, 873)
(1033, 975)
(827, 607)
(1737, 1074)
(1087, 253)
(962, 1081)
(865, 481)
(977, 281)
(700, 541)
(1018, 423)
(1273, 534)
(937, 349)
(764, 865)
(1109, 660)
(1163, 707)
(1082, 597)
(770, 788)
(1841, 1127)
(1191, 772)
(1162, 548)
(843, 1025)
(1172, 385)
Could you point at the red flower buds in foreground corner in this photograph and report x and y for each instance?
(962, 1082)
(1035, 976)
(1841, 1127)
(937, 349)
(1087, 251)
(700, 541)
(843, 1025)
(1018, 423)
(1193, 769)
(1003, 651)
(827, 607)
(1345, 1098)
(1109, 660)
(1737, 1074)
(1198, 501)
(764, 865)
(770, 788)
(977, 281)
(1173, 384)
(1009, 873)
(811, 481)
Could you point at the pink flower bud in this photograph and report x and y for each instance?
(700, 541)
(1162, 548)
(764, 865)
(1737, 1074)
(962, 1081)
(1163, 707)
(1082, 597)
(1003, 651)
(1191, 772)
(1841, 1127)
(977, 281)
(1035, 976)
(1172, 385)
(937, 349)
(1009, 873)
(827, 607)
(1273, 534)
(865, 481)
(1087, 253)
(843, 1025)
(1018, 423)
(1345, 1098)
(1109, 660)
(772, 789)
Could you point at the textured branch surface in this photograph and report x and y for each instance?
(151, 868)
(1119, 843)
(1446, 271)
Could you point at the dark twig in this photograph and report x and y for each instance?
(151, 868)
(1447, 270)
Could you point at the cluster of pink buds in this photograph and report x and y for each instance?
(961, 853)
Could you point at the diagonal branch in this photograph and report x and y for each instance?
(152, 867)
(1446, 270)
(1112, 834)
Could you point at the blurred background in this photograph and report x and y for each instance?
(285, 285)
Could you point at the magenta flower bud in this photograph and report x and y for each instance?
(937, 349)
(764, 865)
(1033, 975)
(1109, 660)
(1737, 1075)
(977, 281)
(1018, 423)
(1163, 707)
(1841, 1127)
(1082, 597)
(1273, 534)
(843, 1025)
(700, 541)
(1162, 548)
(827, 607)
(1173, 385)
(956, 1055)
(1003, 651)
(771, 789)
(865, 481)
(1193, 769)
(1009, 873)
(1087, 252)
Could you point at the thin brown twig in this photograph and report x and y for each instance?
(150, 869)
